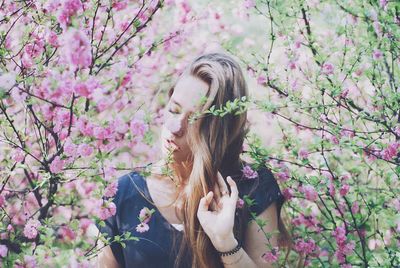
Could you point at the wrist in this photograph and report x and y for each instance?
(223, 244)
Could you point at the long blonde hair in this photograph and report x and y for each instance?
(216, 143)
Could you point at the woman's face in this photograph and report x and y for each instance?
(185, 100)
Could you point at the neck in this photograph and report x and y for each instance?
(181, 170)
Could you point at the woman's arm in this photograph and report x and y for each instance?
(255, 242)
(218, 225)
(105, 258)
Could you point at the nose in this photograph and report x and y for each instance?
(175, 126)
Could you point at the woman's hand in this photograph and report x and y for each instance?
(218, 221)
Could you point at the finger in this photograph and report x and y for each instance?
(222, 184)
(205, 202)
(234, 189)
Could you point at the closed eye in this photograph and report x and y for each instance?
(173, 112)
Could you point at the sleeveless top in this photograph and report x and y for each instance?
(155, 246)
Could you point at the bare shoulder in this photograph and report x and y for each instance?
(105, 257)
(256, 237)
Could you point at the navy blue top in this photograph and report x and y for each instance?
(154, 248)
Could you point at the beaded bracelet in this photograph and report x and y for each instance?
(230, 252)
(238, 260)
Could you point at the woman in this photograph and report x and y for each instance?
(191, 217)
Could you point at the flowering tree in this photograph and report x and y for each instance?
(332, 68)
(74, 78)
(77, 78)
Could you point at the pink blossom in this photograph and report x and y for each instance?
(126, 79)
(377, 27)
(282, 176)
(101, 133)
(309, 192)
(120, 126)
(303, 153)
(66, 233)
(85, 188)
(397, 131)
(292, 65)
(272, 255)
(295, 85)
(340, 235)
(377, 54)
(343, 250)
(396, 204)
(327, 68)
(390, 151)
(309, 221)
(31, 228)
(297, 44)
(355, 207)
(29, 262)
(142, 227)
(109, 173)
(111, 189)
(249, 4)
(120, 5)
(345, 92)
(85, 150)
(57, 165)
(84, 224)
(305, 247)
(107, 210)
(27, 60)
(4, 235)
(77, 48)
(18, 155)
(249, 173)
(383, 3)
(70, 8)
(347, 133)
(371, 152)
(185, 6)
(2, 201)
(344, 189)
(261, 80)
(10, 228)
(52, 39)
(288, 193)
(333, 139)
(35, 48)
(240, 203)
(332, 189)
(145, 215)
(348, 247)
(345, 177)
(62, 119)
(83, 90)
(327, 174)
(3, 251)
(169, 2)
(7, 42)
(70, 148)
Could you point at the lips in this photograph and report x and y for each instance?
(173, 145)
